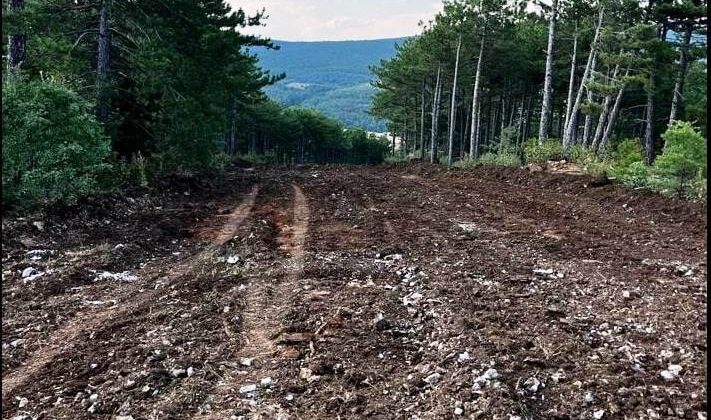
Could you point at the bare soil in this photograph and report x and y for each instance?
(355, 292)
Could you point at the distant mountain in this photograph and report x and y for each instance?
(330, 76)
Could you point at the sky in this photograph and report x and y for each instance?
(338, 20)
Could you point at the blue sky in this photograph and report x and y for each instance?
(318, 20)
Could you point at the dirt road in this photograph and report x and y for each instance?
(345, 292)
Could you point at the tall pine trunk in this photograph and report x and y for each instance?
(588, 117)
(435, 116)
(422, 123)
(571, 81)
(597, 137)
(569, 134)
(614, 112)
(547, 106)
(474, 135)
(649, 122)
(678, 95)
(16, 47)
(103, 65)
(452, 113)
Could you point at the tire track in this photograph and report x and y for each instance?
(64, 339)
(263, 315)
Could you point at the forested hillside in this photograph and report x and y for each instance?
(331, 76)
(615, 85)
(98, 94)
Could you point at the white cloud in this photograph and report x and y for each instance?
(316, 20)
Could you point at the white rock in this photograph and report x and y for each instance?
(233, 259)
(145, 389)
(190, 371)
(23, 402)
(246, 389)
(177, 372)
(626, 294)
(543, 272)
(290, 397)
(458, 411)
(265, 381)
(246, 361)
(93, 398)
(433, 378)
(532, 384)
(39, 225)
(123, 276)
(589, 398)
(27, 272)
(93, 408)
(123, 418)
(598, 414)
(18, 342)
(463, 357)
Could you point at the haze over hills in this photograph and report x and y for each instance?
(330, 76)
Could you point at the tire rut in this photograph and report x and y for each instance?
(65, 338)
(263, 314)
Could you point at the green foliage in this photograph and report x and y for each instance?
(684, 156)
(366, 149)
(53, 148)
(534, 152)
(499, 159)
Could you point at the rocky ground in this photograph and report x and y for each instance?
(353, 292)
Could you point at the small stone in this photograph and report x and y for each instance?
(433, 378)
(39, 225)
(458, 411)
(380, 323)
(598, 414)
(27, 272)
(18, 342)
(246, 389)
(290, 397)
(92, 409)
(626, 294)
(246, 361)
(589, 398)
(266, 382)
(178, 373)
(23, 402)
(234, 259)
(123, 418)
(190, 371)
(145, 389)
(93, 398)
(463, 357)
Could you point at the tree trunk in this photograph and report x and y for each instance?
(435, 115)
(452, 113)
(16, 47)
(613, 114)
(678, 95)
(649, 122)
(474, 136)
(588, 117)
(103, 62)
(571, 81)
(597, 137)
(422, 123)
(568, 135)
(546, 107)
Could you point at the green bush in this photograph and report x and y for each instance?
(53, 148)
(684, 156)
(259, 159)
(499, 159)
(466, 163)
(534, 152)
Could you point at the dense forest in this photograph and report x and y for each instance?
(102, 92)
(330, 76)
(613, 84)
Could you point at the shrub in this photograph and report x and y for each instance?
(534, 152)
(499, 159)
(53, 148)
(466, 163)
(684, 156)
(258, 159)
